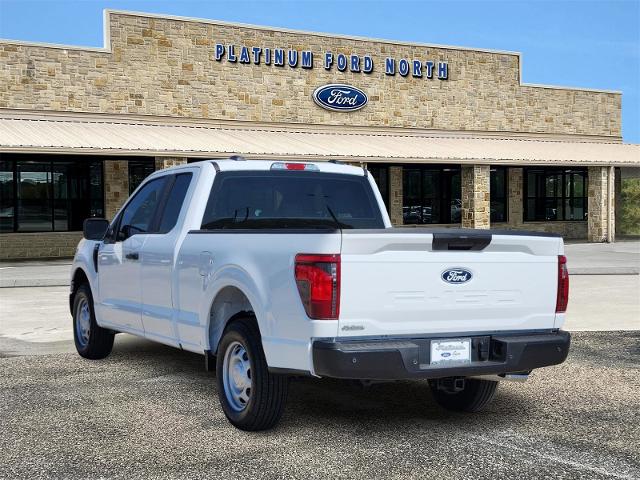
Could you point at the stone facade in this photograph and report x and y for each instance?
(116, 186)
(475, 196)
(600, 210)
(166, 162)
(19, 246)
(395, 195)
(167, 67)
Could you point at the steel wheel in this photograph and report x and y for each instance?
(236, 372)
(83, 322)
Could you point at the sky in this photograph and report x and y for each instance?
(577, 43)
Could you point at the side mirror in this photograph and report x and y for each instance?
(94, 228)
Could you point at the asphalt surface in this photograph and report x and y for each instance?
(150, 411)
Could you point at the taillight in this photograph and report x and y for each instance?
(309, 167)
(318, 280)
(563, 285)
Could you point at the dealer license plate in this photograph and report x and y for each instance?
(450, 351)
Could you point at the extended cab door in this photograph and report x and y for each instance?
(158, 262)
(119, 260)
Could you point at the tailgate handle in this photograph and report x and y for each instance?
(460, 241)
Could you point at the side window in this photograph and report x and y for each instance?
(138, 214)
(174, 202)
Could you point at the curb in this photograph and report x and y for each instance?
(604, 271)
(40, 282)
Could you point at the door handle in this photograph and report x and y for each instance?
(132, 256)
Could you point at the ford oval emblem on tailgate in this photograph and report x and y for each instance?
(340, 98)
(456, 275)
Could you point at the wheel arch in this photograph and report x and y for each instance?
(78, 278)
(230, 302)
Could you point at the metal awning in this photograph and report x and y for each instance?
(77, 135)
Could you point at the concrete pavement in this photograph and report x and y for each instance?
(620, 258)
(36, 273)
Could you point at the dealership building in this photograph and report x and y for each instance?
(453, 136)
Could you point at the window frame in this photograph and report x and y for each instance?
(154, 225)
(443, 192)
(504, 198)
(114, 230)
(168, 189)
(563, 198)
(51, 161)
(221, 176)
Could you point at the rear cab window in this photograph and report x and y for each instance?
(288, 199)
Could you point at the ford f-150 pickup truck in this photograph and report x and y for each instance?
(276, 269)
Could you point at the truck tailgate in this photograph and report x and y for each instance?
(412, 281)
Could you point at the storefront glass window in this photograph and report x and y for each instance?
(34, 197)
(381, 176)
(431, 195)
(553, 194)
(138, 171)
(498, 194)
(7, 198)
(41, 193)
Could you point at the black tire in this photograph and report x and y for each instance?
(99, 342)
(268, 392)
(476, 395)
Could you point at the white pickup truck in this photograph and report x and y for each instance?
(278, 269)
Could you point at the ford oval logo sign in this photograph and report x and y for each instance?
(456, 275)
(340, 98)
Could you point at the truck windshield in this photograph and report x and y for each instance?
(288, 199)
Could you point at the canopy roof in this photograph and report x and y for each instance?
(84, 134)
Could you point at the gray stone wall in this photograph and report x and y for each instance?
(168, 67)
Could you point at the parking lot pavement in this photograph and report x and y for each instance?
(150, 411)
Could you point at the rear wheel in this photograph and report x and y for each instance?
(92, 341)
(463, 394)
(251, 397)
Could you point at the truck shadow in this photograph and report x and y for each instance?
(343, 403)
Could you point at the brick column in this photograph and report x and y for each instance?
(116, 186)
(395, 195)
(601, 201)
(166, 162)
(515, 189)
(475, 196)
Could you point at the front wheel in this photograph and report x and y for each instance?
(251, 397)
(92, 341)
(463, 395)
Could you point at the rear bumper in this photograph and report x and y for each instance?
(390, 359)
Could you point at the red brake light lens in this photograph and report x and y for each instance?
(318, 281)
(294, 166)
(563, 285)
(310, 167)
